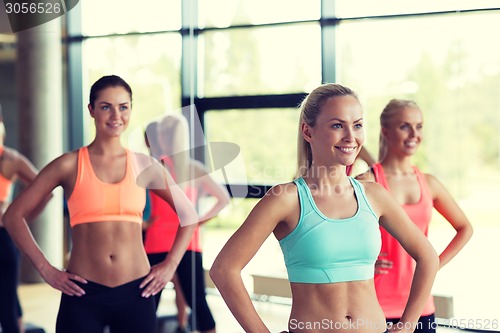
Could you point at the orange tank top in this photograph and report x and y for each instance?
(5, 184)
(393, 288)
(95, 201)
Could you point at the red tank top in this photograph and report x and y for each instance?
(5, 184)
(393, 288)
(161, 234)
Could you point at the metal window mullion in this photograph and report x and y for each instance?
(189, 70)
(328, 41)
(75, 134)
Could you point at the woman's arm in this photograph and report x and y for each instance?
(366, 176)
(159, 181)
(449, 209)
(242, 247)
(366, 156)
(27, 172)
(23, 206)
(209, 187)
(395, 220)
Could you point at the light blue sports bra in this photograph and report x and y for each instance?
(324, 250)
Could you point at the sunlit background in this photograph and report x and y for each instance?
(245, 64)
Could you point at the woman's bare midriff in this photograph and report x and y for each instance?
(347, 307)
(110, 253)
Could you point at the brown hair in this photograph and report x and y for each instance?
(106, 82)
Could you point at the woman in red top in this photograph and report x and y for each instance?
(197, 183)
(401, 124)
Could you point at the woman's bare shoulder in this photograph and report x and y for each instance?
(366, 176)
(66, 162)
(60, 171)
(144, 161)
(372, 188)
(285, 193)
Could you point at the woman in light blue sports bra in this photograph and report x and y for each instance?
(327, 225)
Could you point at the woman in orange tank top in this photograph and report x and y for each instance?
(401, 134)
(108, 281)
(13, 166)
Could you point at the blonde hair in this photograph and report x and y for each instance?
(392, 108)
(151, 139)
(173, 138)
(310, 109)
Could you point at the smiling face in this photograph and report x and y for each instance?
(337, 135)
(111, 111)
(403, 133)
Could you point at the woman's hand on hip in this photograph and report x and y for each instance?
(63, 281)
(157, 279)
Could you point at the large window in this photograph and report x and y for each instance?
(275, 127)
(247, 64)
(260, 61)
(225, 13)
(101, 18)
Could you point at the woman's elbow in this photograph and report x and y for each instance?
(216, 273)
(430, 258)
(222, 200)
(467, 231)
(225, 201)
(8, 218)
(188, 218)
(435, 262)
(220, 271)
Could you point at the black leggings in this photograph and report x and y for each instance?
(426, 324)
(121, 308)
(192, 279)
(10, 308)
